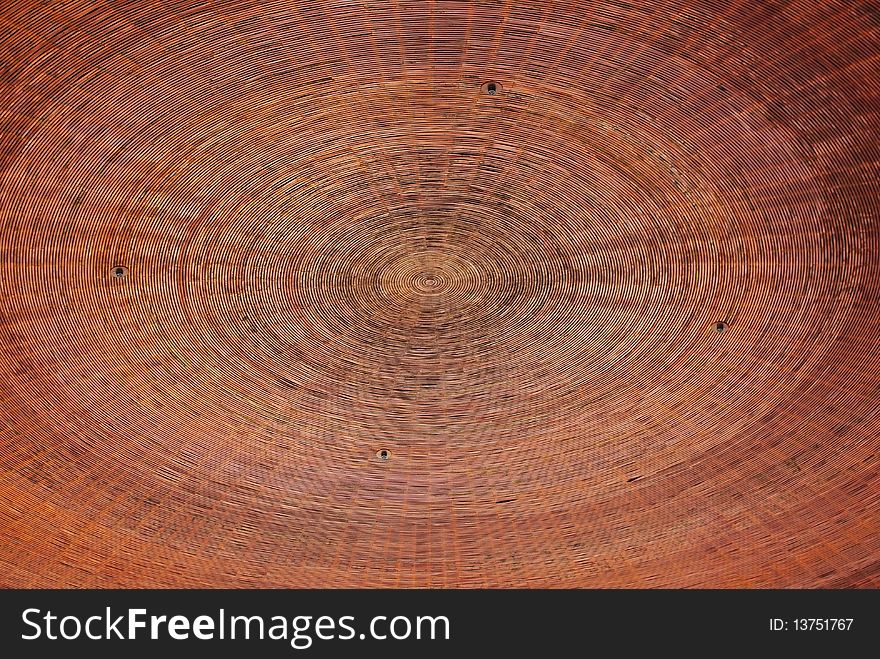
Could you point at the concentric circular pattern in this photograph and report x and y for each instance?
(292, 297)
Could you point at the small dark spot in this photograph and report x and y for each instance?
(721, 326)
(383, 454)
(722, 88)
(492, 88)
(119, 271)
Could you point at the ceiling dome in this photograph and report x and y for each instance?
(439, 294)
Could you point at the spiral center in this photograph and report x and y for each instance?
(428, 282)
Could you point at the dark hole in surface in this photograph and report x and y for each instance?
(119, 271)
(383, 454)
(720, 326)
(491, 88)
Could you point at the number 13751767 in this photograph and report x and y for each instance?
(811, 624)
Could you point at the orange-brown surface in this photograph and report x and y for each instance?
(334, 241)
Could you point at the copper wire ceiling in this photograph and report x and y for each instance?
(439, 293)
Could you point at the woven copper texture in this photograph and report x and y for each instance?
(335, 241)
